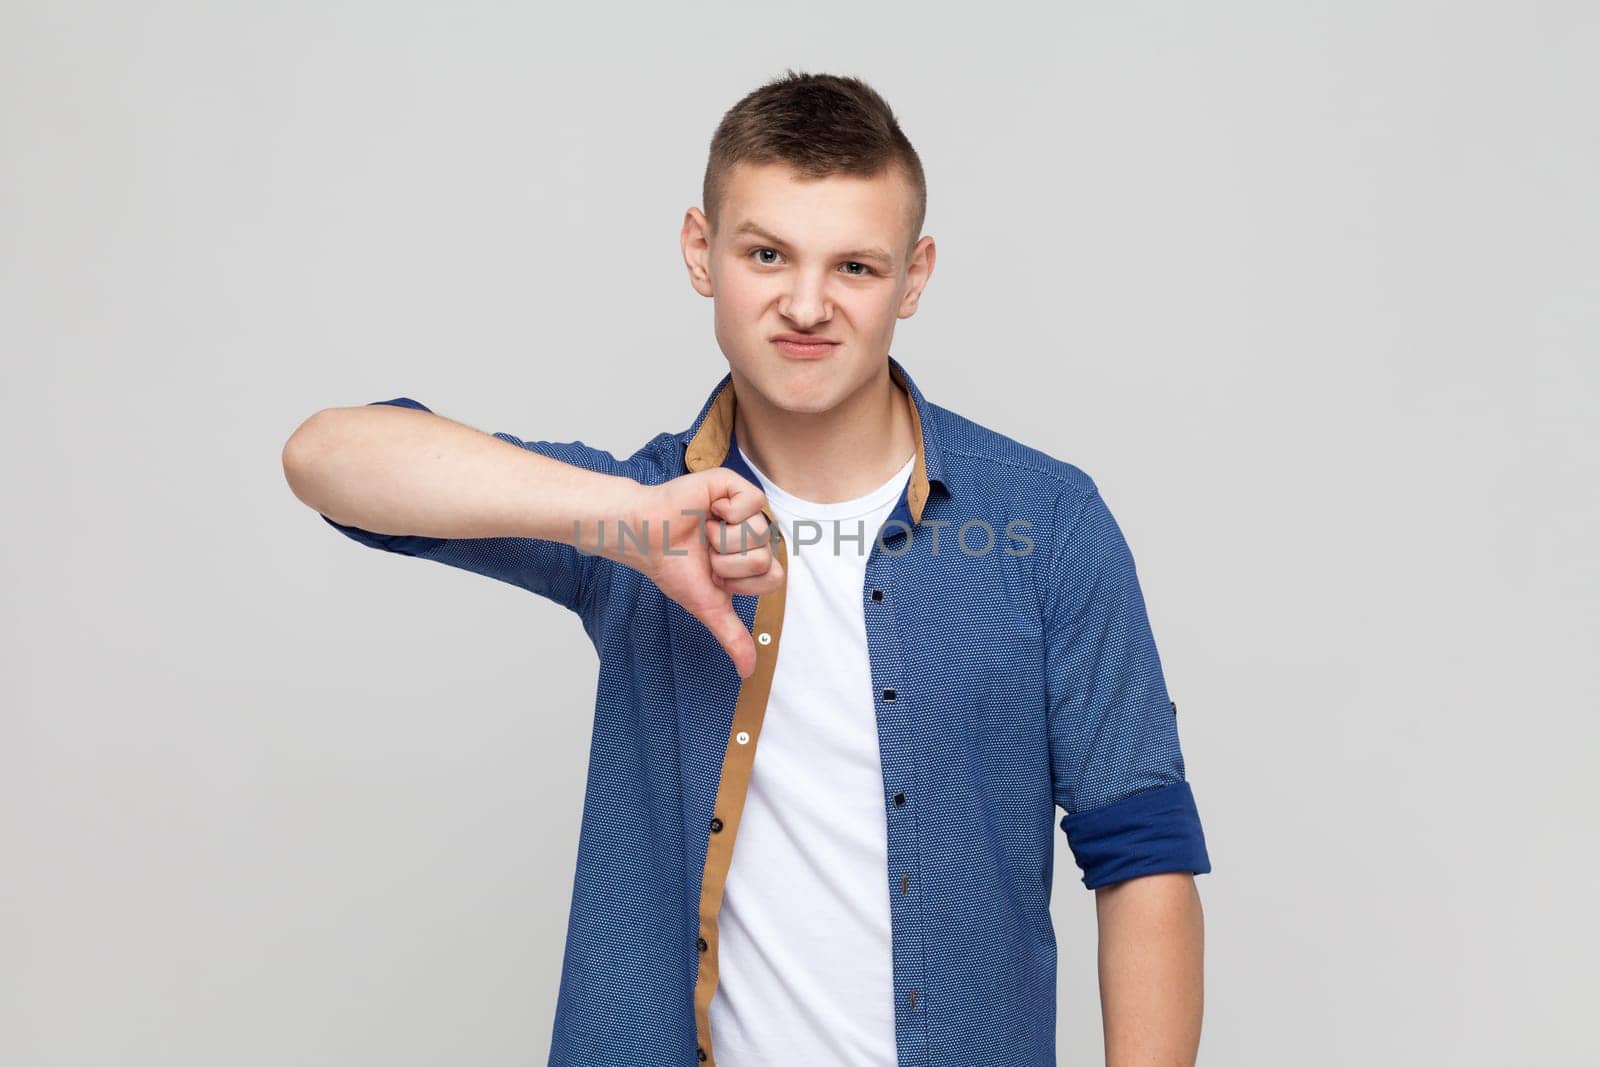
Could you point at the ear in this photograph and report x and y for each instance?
(695, 239)
(918, 269)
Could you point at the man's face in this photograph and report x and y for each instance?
(828, 259)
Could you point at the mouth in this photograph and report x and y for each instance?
(803, 346)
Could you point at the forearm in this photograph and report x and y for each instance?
(1152, 950)
(395, 470)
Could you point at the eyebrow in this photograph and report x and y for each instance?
(859, 253)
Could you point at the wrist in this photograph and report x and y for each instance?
(616, 525)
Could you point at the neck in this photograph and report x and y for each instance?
(835, 455)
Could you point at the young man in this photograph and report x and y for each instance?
(932, 634)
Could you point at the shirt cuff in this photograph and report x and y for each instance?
(1148, 833)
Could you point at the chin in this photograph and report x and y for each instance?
(808, 405)
(798, 398)
(798, 388)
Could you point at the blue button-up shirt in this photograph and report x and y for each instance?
(1013, 672)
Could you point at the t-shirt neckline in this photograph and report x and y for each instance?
(841, 509)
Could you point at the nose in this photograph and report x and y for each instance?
(805, 302)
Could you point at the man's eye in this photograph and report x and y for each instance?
(761, 255)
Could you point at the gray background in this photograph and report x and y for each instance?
(1309, 289)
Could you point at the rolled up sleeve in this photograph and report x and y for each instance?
(1115, 762)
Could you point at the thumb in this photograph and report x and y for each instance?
(729, 630)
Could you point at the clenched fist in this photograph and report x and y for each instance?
(717, 543)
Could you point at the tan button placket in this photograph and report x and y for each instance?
(737, 763)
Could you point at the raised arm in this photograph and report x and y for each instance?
(538, 514)
(398, 470)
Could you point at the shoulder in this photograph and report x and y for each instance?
(990, 465)
(1005, 481)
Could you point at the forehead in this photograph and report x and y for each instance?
(827, 210)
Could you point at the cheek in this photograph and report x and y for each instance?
(739, 297)
(872, 312)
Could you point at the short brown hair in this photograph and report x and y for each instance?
(818, 124)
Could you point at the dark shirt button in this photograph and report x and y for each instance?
(888, 694)
(877, 594)
(911, 1001)
(1174, 707)
(716, 826)
(899, 799)
(699, 1052)
(700, 943)
(905, 883)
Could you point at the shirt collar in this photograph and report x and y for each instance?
(712, 442)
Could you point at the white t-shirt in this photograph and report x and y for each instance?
(804, 964)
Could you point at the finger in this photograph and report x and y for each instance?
(756, 524)
(734, 498)
(756, 585)
(726, 538)
(743, 564)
